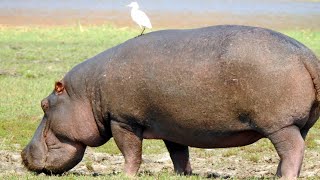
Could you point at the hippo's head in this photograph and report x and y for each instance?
(67, 127)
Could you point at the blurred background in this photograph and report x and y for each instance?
(277, 14)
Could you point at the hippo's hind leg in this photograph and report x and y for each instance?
(129, 141)
(290, 147)
(180, 157)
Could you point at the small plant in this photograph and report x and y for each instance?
(254, 158)
(89, 166)
(230, 152)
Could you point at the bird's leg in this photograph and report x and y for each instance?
(142, 31)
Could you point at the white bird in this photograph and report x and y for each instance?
(139, 17)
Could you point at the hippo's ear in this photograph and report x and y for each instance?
(58, 87)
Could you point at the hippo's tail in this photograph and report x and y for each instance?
(312, 64)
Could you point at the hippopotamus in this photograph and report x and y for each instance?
(212, 87)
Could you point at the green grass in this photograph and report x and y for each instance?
(309, 38)
(69, 176)
(32, 59)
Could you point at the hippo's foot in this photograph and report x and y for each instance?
(290, 147)
(180, 157)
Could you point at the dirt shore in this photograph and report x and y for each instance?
(234, 166)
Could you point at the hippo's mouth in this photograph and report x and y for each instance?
(54, 163)
(51, 172)
(38, 165)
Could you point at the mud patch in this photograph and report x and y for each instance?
(234, 166)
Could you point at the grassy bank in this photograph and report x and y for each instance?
(32, 59)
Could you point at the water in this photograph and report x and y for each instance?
(234, 6)
(164, 13)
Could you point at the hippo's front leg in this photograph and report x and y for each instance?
(180, 157)
(129, 141)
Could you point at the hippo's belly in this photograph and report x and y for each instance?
(207, 138)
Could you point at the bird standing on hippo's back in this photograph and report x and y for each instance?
(139, 17)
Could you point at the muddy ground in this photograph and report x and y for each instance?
(219, 165)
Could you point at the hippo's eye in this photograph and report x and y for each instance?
(44, 104)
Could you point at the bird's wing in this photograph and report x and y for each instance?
(141, 18)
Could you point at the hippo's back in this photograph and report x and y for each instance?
(210, 42)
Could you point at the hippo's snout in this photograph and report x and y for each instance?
(40, 162)
(46, 153)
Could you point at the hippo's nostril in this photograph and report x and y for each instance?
(44, 104)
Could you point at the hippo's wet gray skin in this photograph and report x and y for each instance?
(214, 87)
